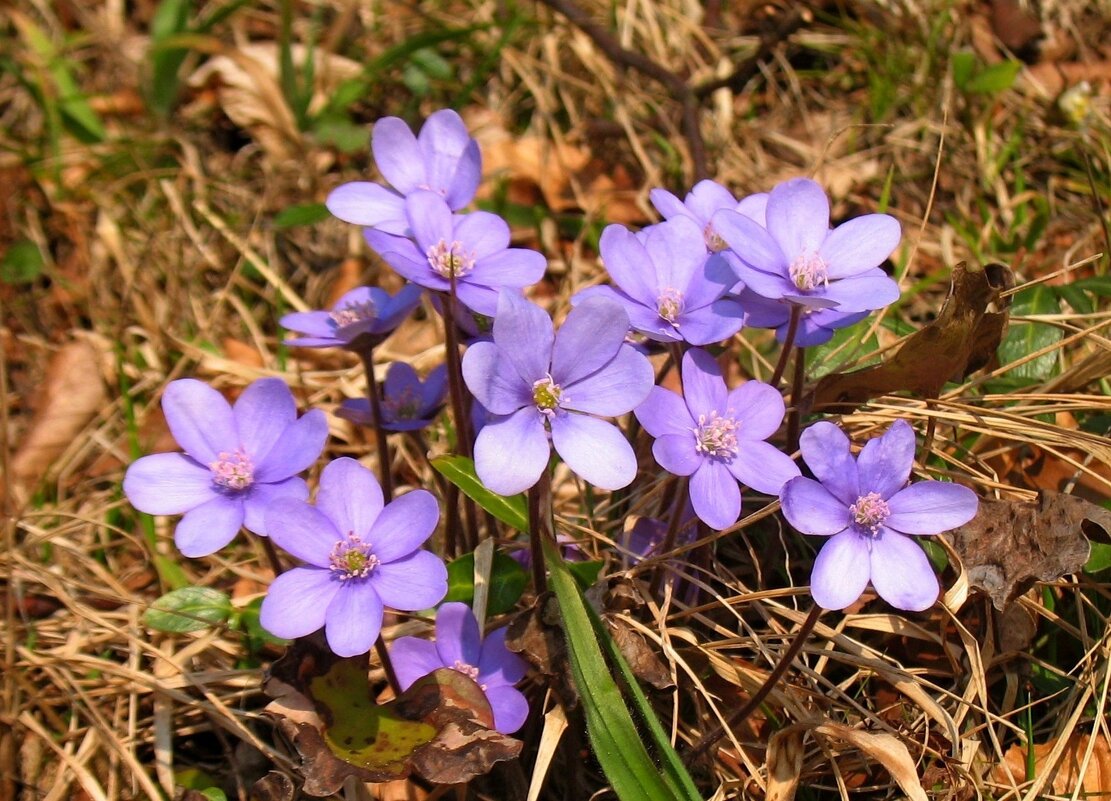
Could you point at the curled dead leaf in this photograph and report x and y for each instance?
(1065, 775)
(1010, 544)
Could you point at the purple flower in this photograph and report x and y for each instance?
(816, 326)
(485, 660)
(798, 258)
(237, 461)
(361, 557)
(717, 438)
(366, 310)
(473, 248)
(866, 508)
(706, 199)
(407, 404)
(671, 288)
(443, 159)
(535, 384)
(647, 534)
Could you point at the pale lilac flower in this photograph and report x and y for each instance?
(473, 249)
(647, 534)
(459, 646)
(407, 403)
(365, 311)
(867, 510)
(706, 199)
(360, 557)
(816, 326)
(672, 289)
(237, 461)
(536, 384)
(716, 436)
(798, 258)
(443, 159)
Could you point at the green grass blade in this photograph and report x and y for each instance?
(459, 470)
(632, 773)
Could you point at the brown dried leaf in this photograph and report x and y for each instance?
(886, 749)
(785, 753)
(642, 658)
(71, 394)
(962, 340)
(1010, 544)
(1065, 775)
(274, 786)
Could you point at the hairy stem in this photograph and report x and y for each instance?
(381, 437)
(539, 526)
(387, 665)
(788, 344)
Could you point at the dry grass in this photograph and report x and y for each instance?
(162, 260)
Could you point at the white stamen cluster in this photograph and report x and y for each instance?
(353, 313)
(351, 558)
(716, 435)
(547, 395)
(450, 260)
(714, 242)
(808, 271)
(870, 511)
(233, 471)
(670, 305)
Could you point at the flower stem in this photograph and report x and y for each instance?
(677, 506)
(381, 437)
(455, 379)
(738, 717)
(788, 344)
(387, 665)
(539, 525)
(272, 555)
(794, 416)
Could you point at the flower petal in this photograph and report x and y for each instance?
(812, 509)
(443, 141)
(762, 466)
(618, 387)
(302, 530)
(711, 324)
(299, 446)
(167, 484)
(678, 251)
(901, 572)
(397, 154)
(513, 268)
(413, 658)
(825, 449)
(872, 289)
(353, 619)
(676, 454)
(498, 665)
(315, 323)
(664, 412)
(350, 496)
(200, 419)
(588, 340)
(798, 217)
(628, 264)
(595, 450)
(482, 233)
(261, 497)
(931, 507)
(884, 463)
(364, 203)
(404, 525)
(457, 637)
(468, 175)
(707, 197)
(760, 409)
(296, 602)
(841, 571)
(667, 204)
(493, 381)
(510, 708)
(703, 386)
(419, 581)
(510, 452)
(209, 527)
(715, 496)
(751, 242)
(860, 244)
(430, 219)
(262, 413)
(523, 334)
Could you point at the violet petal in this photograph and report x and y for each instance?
(798, 217)
(617, 388)
(901, 572)
(404, 525)
(676, 453)
(419, 581)
(931, 507)
(841, 571)
(825, 449)
(860, 244)
(296, 450)
(595, 450)
(762, 466)
(167, 484)
(884, 463)
(664, 412)
(588, 340)
(397, 155)
(200, 419)
(353, 619)
(510, 452)
(259, 497)
(303, 530)
(510, 708)
(207, 528)
(413, 658)
(811, 509)
(297, 601)
(457, 637)
(715, 496)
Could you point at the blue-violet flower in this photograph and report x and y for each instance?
(368, 311)
(407, 403)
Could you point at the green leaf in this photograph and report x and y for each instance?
(614, 738)
(301, 214)
(996, 78)
(1100, 558)
(459, 470)
(1027, 337)
(188, 609)
(586, 573)
(250, 624)
(340, 132)
(507, 581)
(964, 63)
(22, 263)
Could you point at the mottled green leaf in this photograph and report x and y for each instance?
(188, 609)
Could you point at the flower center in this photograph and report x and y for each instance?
(403, 406)
(869, 512)
(233, 471)
(670, 305)
(450, 260)
(808, 270)
(716, 435)
(470, 671)
(353, 313)
(547, 395)
(714, 242)
(351, 558)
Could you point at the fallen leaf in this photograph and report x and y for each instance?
(274, 786)
(962, 340)
(785, 753)
(535, 634)
(886, 749)
(1065, 775)
(1010, 544)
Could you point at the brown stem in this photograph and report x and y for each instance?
(455, 378)
(381, 437)
(272, 555)
(754, 702)
(387, 665)
(788, 343)
(678, 504)
(794, 417)
(539, 496)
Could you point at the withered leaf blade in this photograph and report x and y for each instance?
(962, 340)
(1010, 544)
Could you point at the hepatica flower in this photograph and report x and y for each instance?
(716, 436)
(816, 326)
(797, 258)
(443, 159)
(669, 285)
(706, 199)
(360, 557)
(485, 660)
(470, 250)
(868, 511)
(407, 403)
(535, 384)
(237, 461)
(364, 311)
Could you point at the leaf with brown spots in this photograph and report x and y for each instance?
(962, 340)
(1010, 544)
